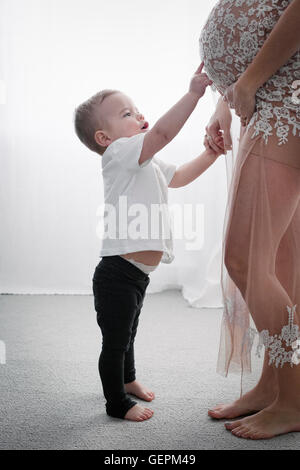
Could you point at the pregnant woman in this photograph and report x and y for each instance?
(251, 51)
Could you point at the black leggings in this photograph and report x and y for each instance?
(119, 289)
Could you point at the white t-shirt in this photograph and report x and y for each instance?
(147, 225)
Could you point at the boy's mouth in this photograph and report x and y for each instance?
(146, 125)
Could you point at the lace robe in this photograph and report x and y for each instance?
(232, 36)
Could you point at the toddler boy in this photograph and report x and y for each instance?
(110, 124)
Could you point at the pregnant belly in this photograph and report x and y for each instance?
(232, 36)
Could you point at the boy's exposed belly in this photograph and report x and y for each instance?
(151, 258)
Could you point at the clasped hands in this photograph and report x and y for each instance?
(239, 96)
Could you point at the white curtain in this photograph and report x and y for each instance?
(54, 55)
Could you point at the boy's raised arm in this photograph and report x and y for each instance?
(168, 126)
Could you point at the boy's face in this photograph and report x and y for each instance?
(121, 119)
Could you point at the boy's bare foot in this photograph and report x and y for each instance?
(251, 402)
(138, 413)
(139, 390)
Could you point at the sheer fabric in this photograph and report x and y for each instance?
(261, 240)
(260, 257)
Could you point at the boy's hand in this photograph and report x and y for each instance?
(219, 141)
(199, 82)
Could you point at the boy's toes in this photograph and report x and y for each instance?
(150, 396)
(147, 413)
(137, 389)
(146, 395)
(138, 413)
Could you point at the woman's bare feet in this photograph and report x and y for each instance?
(138, 413)
(270, 422)
(139, 390)
(250, 403)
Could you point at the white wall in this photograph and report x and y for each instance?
(54, 55)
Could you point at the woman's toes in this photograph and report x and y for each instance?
(214, 412)
(218, 411)
(215, 409)
(251, 434)
(233, 424)
(236, 431)
(239, 431)
(260, 435)
(247, 433)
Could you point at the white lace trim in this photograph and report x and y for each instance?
(289, 335)
(277, 344)
(283, 119)
(232, 36)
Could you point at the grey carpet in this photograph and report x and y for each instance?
(51, 396)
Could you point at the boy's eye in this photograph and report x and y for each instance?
(127, 114)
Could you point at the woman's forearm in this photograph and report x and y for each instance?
(279, 47)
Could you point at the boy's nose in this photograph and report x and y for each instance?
(140, 117)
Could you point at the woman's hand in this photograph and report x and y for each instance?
(241, 98)
(219, 125)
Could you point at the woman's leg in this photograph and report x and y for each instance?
(288, 259)
(265, 215)
(262, 395)
(260, 226)
(283, 414)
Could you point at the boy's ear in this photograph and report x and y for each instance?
(101, 138)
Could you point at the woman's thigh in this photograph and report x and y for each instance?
(288, 153)
(264, 204)
(288, 258)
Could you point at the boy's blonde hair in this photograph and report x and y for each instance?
(87, 122)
